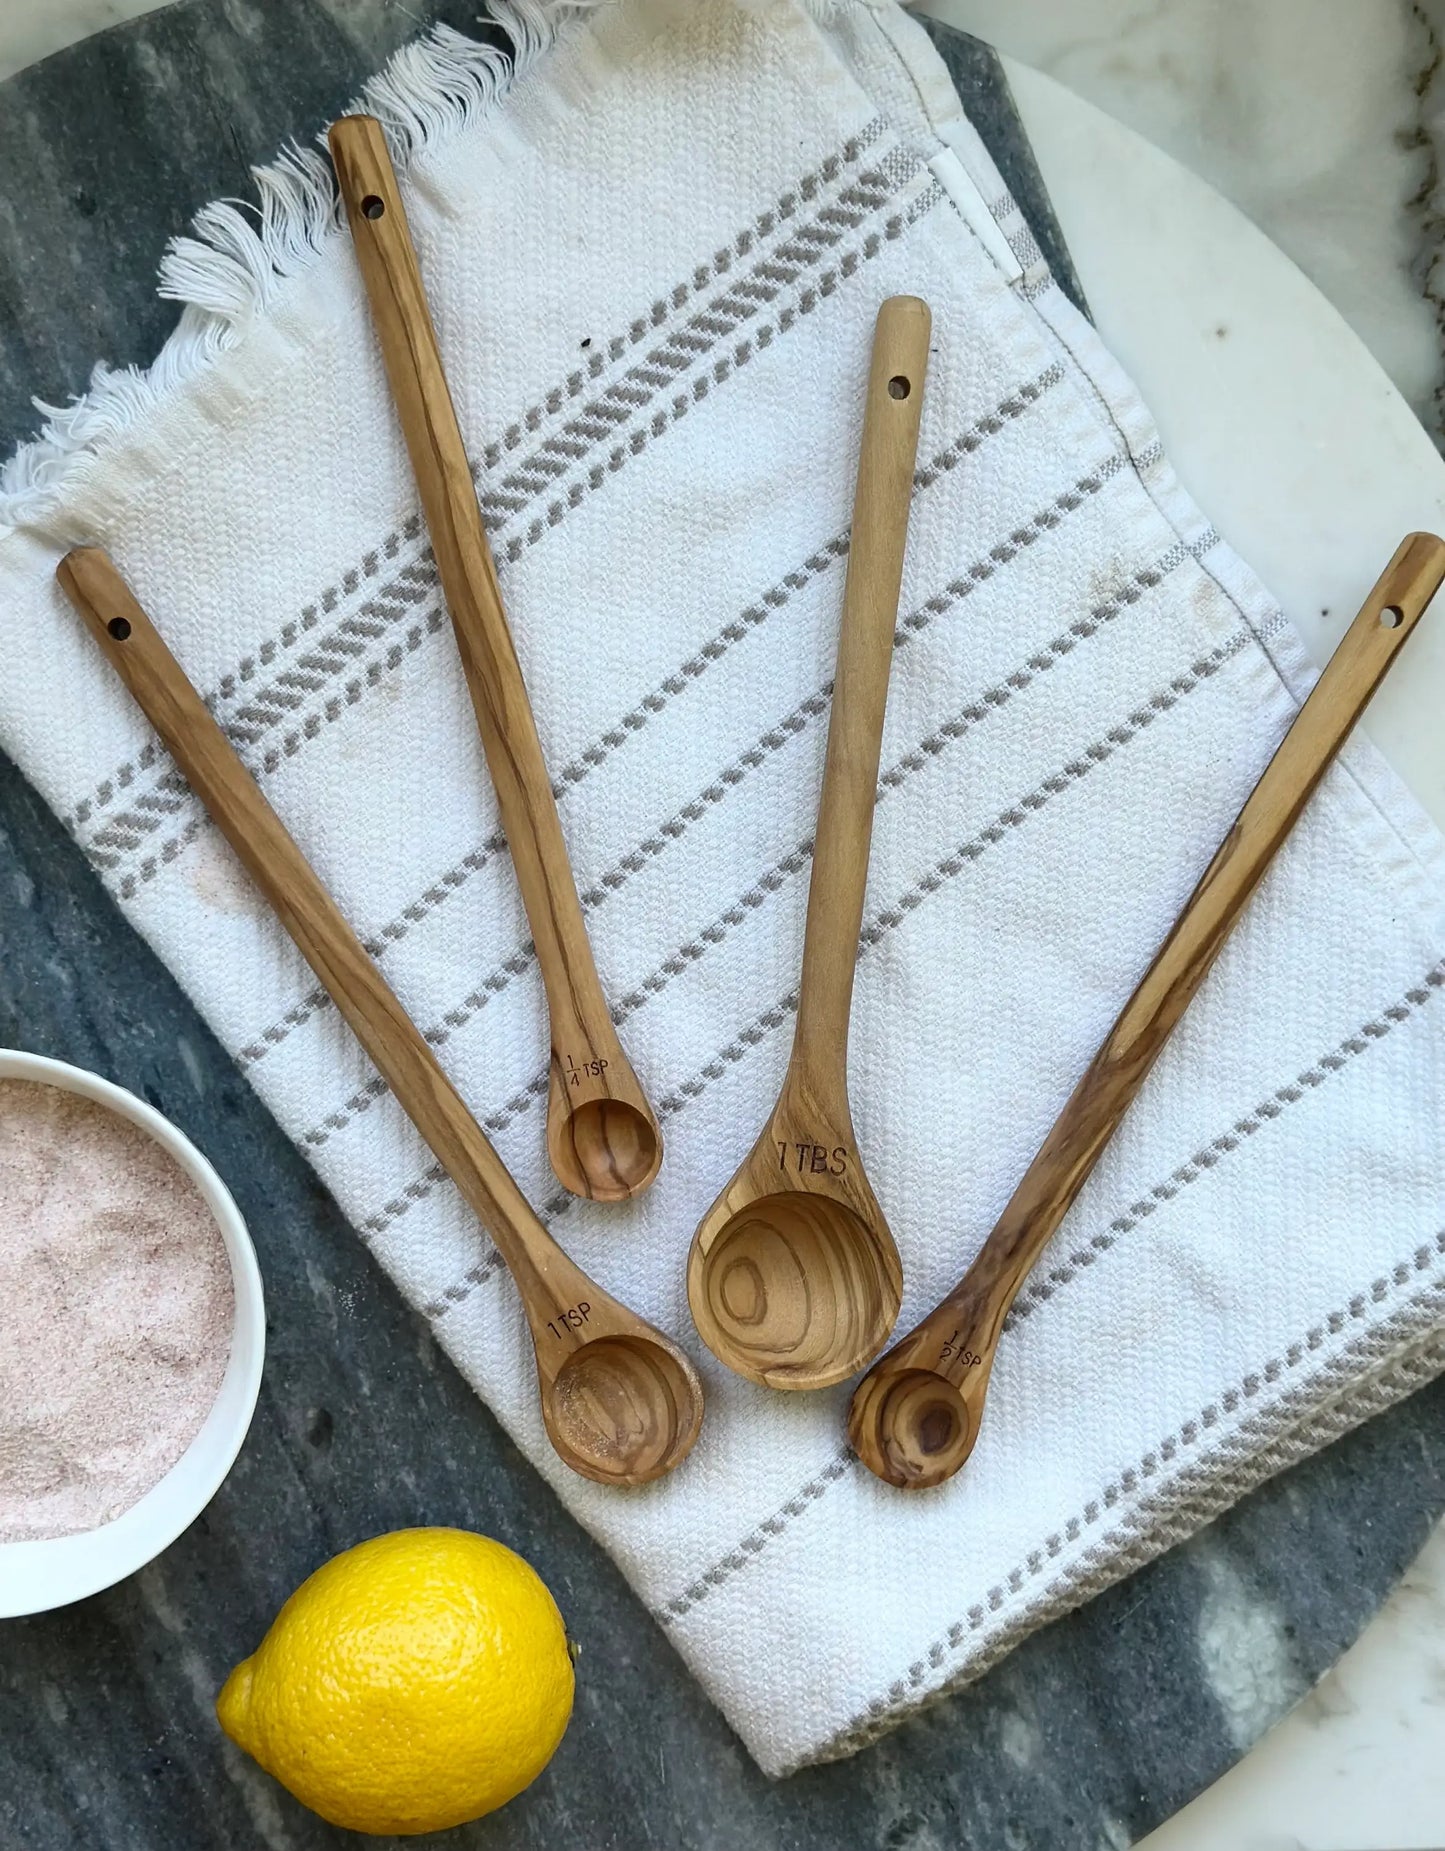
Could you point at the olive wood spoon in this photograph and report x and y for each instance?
(793, 1277)
(603, 1138)
(915, 1415)
(621, 1403)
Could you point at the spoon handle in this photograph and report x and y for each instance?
(549, 1282)
(588, 1063)
(957, 1339)
(879, 537)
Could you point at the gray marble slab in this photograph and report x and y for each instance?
(1087, 1736)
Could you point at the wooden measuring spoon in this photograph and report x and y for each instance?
(602, 1135)
(621, 1403)
(793, 1277)
(915, 1415)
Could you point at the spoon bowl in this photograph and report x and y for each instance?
(602, 1137)
(619, 1400)
(603, 1149)
(912, 1427)
(795, 1290)
(623, 1410)
(916, 1414)
(793, 1277)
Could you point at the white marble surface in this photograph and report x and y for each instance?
(1358, 1765)
(1286, 430)
(1224, 335)
(1321, 120)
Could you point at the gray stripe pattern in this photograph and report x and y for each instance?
(753, 1544)
(1025, 246)
(797, 858)
(1367, 1036)
(769, 1020)
(287, 693)
(949, 866)
(1042, 1286)
(820, 561)
(437, 894)
(1022, 537)
(790, 262)
(606, 354)
(754, 616)
(618, 405)
(1327, 1402)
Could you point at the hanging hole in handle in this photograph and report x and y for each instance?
(119, 628)
(899, 387)
(1392, 617)
(372, 207)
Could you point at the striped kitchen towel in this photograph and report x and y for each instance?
(656, 240)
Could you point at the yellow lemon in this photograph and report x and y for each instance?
(414, 1682)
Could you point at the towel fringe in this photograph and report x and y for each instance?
(228, 270)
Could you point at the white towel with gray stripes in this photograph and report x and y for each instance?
(655, 251)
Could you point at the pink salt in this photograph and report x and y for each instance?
(115, 1312)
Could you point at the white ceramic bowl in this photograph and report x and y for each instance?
(35, 1576)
